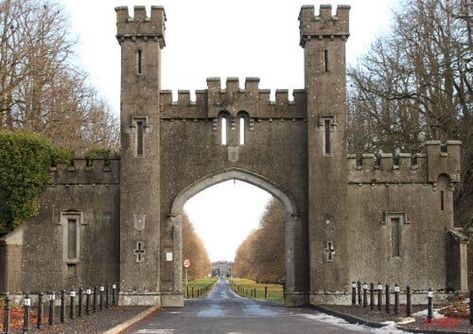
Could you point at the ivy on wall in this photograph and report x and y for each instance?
(24, 172)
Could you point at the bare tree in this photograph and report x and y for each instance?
(415, 84)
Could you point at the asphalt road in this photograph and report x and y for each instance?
(224, 312)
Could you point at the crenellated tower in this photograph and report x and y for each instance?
(141, 39)
(323, 38)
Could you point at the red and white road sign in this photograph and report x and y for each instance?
(187, 263)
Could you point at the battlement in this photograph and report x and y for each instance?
(84, 171)
(211, 102)
(325, 25)
(140, 25)
(433, 160)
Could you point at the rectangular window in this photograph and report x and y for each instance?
(139, 62)
(71, 223)
(140, 137)
(72, 238)
(328, 144)
(442, 200)
(396, 236)
(326, 60)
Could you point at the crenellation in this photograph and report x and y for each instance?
(83, 171)
(421, 167)
(443, 159)
(210, 102)
(140, 25)
(183, 98)
(325, 25)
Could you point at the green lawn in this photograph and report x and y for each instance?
(244, 286)
(201, 286)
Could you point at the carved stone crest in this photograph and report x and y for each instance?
(139, 222)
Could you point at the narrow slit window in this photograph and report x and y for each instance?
(242, 130)
(140, 137)
(442, 200)
(139, 62)
(72, 238)
(326, 60)
(223, 130)
(328, 144)
(396, 236)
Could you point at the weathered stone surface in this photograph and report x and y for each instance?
(372, 218)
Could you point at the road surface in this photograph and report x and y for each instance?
(224, 312)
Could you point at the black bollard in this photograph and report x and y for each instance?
(114, 291)
(26, 314)
(80, 301)
(396, 298)
(52, 299)
(471, 307)
(255, 292)
(39, 321)
(265, 292)
(430, 306)
(187, 292)
(371, 296)
(388, 301)
(6, 315)
(88, 292)
(107, 292)
(102, 289)
(358, 285)
(72, 309)
(365, 295)
(94, 300)
(380, 296)
(408, 301)
(63, 306)
(353, 293)
(192, 292)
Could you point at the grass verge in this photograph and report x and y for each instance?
(246, 288)
(200, 286)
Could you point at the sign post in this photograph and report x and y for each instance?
(187, 264)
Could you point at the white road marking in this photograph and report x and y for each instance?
(155, 331)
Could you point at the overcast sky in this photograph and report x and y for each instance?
(218, 38)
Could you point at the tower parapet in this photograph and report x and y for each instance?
(325, 25)
(433, 160)
(140, 25)
(86, 172)
(211, 102)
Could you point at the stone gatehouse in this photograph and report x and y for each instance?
(386, 217)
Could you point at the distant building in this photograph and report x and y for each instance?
(222, 268)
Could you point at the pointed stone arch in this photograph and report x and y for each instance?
(292, 297)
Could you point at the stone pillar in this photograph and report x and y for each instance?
(141, 39)
(323, 38)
